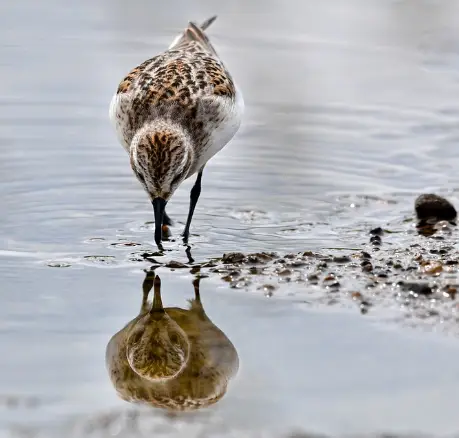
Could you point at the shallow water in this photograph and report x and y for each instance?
(351, 111)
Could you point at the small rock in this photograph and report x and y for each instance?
(364, 305)
(260, 257)
(239, 284)
(365, 255)
(431, 207)
(356, 296)
(124, 244)
(254, 270)
(341, 259)
(450, 291)
(268, 287)
(432, 268)
(375, 240)
(417, 288)
(381, 274)
(268, 290)
(335, 285)
(313, 278)
(284, 272)
(377, 231)
(175, 265)
(366, 266)
(59, 264)
(297, 264)
(233, 257)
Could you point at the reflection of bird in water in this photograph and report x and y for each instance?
(170, 357)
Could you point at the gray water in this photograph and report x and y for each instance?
(351, 110)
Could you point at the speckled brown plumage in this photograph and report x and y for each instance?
(171, 358)
(175, 111)
(176, 83)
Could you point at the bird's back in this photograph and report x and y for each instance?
(186, 85)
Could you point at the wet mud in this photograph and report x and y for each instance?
(408, 273)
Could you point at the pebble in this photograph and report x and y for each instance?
(415, 287)
(341, 259)
(233, 257)
(366, 266)
(377, 231)
(432, 268)
(431, 207)
(175, 265)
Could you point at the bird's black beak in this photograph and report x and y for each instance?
(159, 205)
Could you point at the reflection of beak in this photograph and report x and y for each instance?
(157, 305)
(159, 205)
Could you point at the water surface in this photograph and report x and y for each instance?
(351, 110)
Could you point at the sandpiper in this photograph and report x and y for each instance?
(172, 114)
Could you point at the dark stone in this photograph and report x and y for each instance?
(417, 288)
(364, 305)
(261, 257)
(377, 231)
(365, 255)
(175, 265)
(366, 266)
(438, 251)
(341, 259)
(375, 240)
(434, 208)
(233, 257)
(254, 270)
(381, 274)
(335, 285)
(313, 278)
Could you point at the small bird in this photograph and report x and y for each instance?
(172, 114)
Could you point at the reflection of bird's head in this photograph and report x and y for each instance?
(157, 348)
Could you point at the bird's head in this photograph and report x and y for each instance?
(161, 157)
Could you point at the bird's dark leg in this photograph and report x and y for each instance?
(194, 196)
(188, 254)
